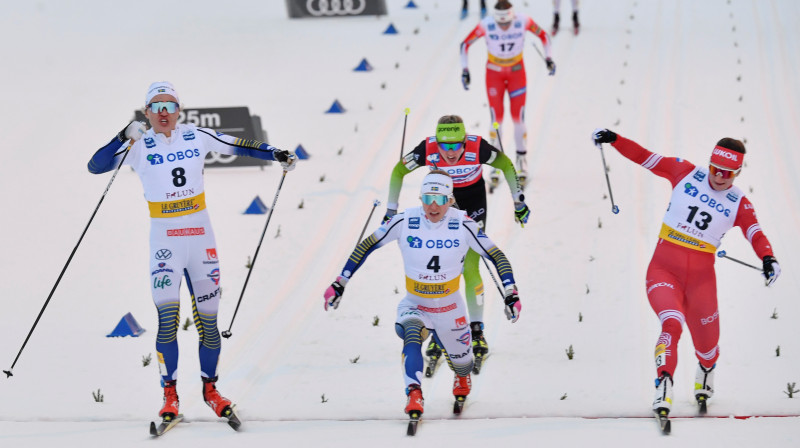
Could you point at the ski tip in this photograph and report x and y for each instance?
(153, 430)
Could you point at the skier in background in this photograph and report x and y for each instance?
(556, 19)
(462, 156)
(169, 159)
(433, 240)
(681, 281)
(466, 4)
(505, 71)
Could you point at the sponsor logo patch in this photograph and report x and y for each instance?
(163, 254)
(189, 231)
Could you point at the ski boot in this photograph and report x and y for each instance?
(415, 401)
(479, 346)
(220, 404)
(703, 386)
(462, 385)
(575, 24)
(556, 19)
(662, 400)
(171, 402)
(522, 170)
(434, 354)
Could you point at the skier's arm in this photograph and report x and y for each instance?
(499, 160)
(386, 233)
(484, 247)
(670, 168)
(751, 229)
(474, 35)
(107, 158)
(542, 35)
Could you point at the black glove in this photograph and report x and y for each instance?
(389, 215)
(513, 305)
(772, 270)
(551, 66)
(465, 78)
(281, 155)
(604, 136)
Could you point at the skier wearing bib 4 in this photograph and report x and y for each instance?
(433, 240)
(505, 71)
(462, 156)
(681, 282)
(168, 158)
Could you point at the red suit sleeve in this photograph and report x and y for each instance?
(474, 35)
(746, 220)
(534, 28)
(670, 168)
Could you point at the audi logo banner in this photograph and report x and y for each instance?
(235, 121)
(335, 8)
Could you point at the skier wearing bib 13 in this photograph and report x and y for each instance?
(681, 281)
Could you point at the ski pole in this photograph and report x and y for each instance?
(374, 204)
(403, 141)
(614, 207)
(227, 333)
(723, 254)
(491, 274)
(10, 371)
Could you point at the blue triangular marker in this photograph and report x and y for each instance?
(127, 326)
(411, 4)
(336, 108)
(363, 66)
(256, 207)
(301, 153)
(390, 30)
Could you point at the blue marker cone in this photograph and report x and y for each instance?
(256, 207)
(363, 66)
(336, 108)
(390, 30)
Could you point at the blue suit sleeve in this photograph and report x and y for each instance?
(104, 159)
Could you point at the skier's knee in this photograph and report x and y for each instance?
(411, 328)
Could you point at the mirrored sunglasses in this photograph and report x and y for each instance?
(157, 106)
(451, 146)
(429, 199)
(722, 172)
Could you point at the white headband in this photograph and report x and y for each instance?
(157, 88)
(437, 183)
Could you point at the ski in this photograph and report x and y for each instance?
(233, 419)
(167, 423)
(662, 417)
(433, 361)
(458, 406)
(702, 404)
(413, 420)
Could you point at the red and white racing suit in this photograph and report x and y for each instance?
(681, 283)
(505, 70)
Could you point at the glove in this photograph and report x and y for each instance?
(465, 79)
(603, 136)
(333, 295)
(133, 131)
(521, 212)
(286, 158)
(772, 270)
(513, 305)
(390, 212)
(551, 66)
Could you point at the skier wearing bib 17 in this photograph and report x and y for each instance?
(681, 281)
(433, 240)
(168, 158)
(505, 71)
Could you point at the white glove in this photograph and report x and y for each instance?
(133, 131)
(513, 305)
